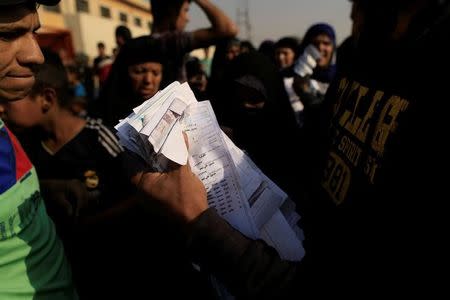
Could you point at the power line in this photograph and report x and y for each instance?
(243, 19)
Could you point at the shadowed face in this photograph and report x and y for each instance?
(325, 46)
(232, 52)
(145, 78)
(19, 51)
(284, 57)
(183, 17)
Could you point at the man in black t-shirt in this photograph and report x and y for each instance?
(101, 56)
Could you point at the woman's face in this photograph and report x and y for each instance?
(199, 82)
(145, 78)
(284, 57)
(325, 46)
(233, 51)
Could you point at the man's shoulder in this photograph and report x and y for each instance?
(103, 136)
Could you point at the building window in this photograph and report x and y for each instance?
(150, 25)
(82, 6)
(123, 17)
(53, 8)
(105, 12)
(138, 22)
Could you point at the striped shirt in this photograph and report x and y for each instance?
(93, 156)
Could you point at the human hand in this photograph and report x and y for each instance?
(177, 192)
(67, 196)
(300, 85)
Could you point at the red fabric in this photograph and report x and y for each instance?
(23, 164)
(103, 73)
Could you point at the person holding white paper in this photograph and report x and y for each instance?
(250, 269)
(315, 69)
(381, 218)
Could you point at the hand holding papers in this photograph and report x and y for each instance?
(235, 187)
(161, 188)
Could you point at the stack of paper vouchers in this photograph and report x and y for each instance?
(236, 187)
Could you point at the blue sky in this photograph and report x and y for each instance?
(276, 18)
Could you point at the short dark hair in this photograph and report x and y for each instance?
(287, 42)
(165, 9)
(124, 32)
(31, 5)
(100, 45)
(52, 74)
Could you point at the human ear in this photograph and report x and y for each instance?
(48, 99)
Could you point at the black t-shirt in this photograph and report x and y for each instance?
(101, 251)
(377, 208)
(93, 156)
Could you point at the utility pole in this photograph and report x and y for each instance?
(243, 19)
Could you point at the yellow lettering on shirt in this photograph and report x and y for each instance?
(387, 122)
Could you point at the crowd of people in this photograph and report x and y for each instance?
(83, 218)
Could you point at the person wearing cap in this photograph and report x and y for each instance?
(32, 261)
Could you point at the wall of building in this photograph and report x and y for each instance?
(51, 19)
(97, 29)
(89, 28)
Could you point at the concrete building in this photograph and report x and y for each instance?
(76, 26)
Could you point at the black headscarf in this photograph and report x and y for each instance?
(117, 98)
(259, 131)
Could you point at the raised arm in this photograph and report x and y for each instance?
(222, 25)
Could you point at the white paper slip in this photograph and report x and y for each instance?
(174, 147)
(150, 102)
(264, 204)
(249, 178)
(263, 195)
(279, 235)
(175, 100)
(131, 139)
(288, 209)
(210, 160)
(159, 134)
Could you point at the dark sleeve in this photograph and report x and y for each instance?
(176, 44)
(133, 164)
(249, 269)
